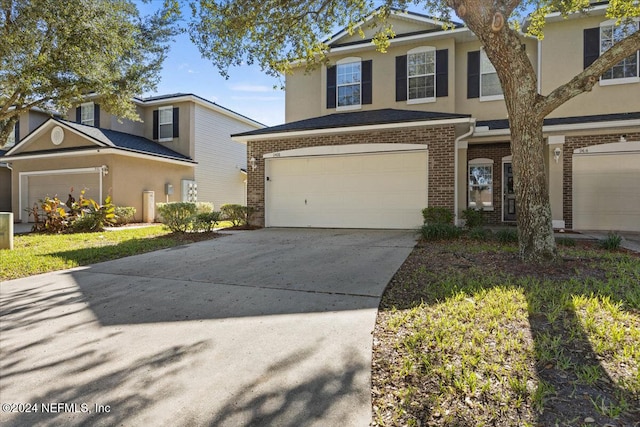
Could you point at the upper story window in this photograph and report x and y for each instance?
(166, 123)
(598, 40)
(628, 67)
(349, 81)
(88, 113)
(349, 84)
(482, 79)
(13, 137)
(421, 74)
(490, 88)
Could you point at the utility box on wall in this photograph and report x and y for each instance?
(168, 189)
(148, 206)
(6, 230)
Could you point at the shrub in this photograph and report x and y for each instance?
(437, 215)
(440, 231)
(237, 214)
(91, 216)
(565, 241)
(177, 216)
(207, 221)
(55, 218)
(204, 207)
(612, 242)
(474, 218)
(507, 235)
(480, 233)
(124, 214)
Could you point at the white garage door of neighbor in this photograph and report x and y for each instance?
(386, 190)
(606, 193)
(40, 186)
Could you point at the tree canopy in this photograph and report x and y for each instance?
(54, 53)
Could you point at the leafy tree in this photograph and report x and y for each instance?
(275, 33)
(53, 53)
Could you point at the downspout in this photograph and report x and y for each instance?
(472, 126)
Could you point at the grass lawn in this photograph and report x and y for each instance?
(39, 253)
(468, 335)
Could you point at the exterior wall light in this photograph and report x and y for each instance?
(556, 154)
(252, 162)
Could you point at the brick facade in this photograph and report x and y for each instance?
(494, 152)
(571, 143)
(440, 141)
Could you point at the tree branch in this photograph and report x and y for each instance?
(585, 81)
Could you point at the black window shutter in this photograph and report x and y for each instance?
(331, 86)
(473, 74)
(442, 72)
(176, 122)
(78, 115)
(591, 45)
(367, 82)
(16, 131)
(96, 115)
(401, 78)
(155, 124)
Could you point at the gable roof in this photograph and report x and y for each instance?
(104, 138)
(387, 116)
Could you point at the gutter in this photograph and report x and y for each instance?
(482, 131)
(472, 126)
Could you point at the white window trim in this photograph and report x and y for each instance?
(623, 80)
(480, 162)
(345, 61)
(426, 100)
(160, 123)
(484, 98)
(91, 107)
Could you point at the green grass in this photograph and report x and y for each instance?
(40, 253)
(473, 344)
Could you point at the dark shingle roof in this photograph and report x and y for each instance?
(358, 118)
(504, 123)
(125, 141)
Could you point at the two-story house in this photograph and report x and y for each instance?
(375, 137)
(180, 151)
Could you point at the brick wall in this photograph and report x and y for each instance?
(571, 143)
(441, 159)
(494, 152)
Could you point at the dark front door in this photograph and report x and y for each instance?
(509, 195)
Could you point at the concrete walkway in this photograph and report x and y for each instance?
(263, 328)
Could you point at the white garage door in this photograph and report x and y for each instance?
(385, 190)
(606, 191)
(40, 186)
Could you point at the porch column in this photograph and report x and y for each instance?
(554, 161)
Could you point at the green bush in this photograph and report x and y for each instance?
(474, 218)
(204, 207)
(55, 218)
(237, 214)
(612, 242)
(124, 214)
(480, 233)
(91, 216)
(437, 215)
(507, 235)
(440, 231)
(207, 221)
(565, 241)
(177, 216)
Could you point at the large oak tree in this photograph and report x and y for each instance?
(52, 53)
(277, 33)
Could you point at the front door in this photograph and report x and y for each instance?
(509, 195)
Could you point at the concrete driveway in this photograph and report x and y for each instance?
(269, 327)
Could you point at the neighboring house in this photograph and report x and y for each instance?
(181, 151)
(373, 138)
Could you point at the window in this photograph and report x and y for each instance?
(11, 141)
(490, 88)
(421, 74)
(165, 123)
(627, 69)
(87, 116)
(349, 78)
(481, 183)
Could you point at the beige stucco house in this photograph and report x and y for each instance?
(180, 151)
(373, 138)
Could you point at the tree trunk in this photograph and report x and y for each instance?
(535, 230)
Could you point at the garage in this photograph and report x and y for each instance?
(38, 185)
(606, 195)
(359, 186)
